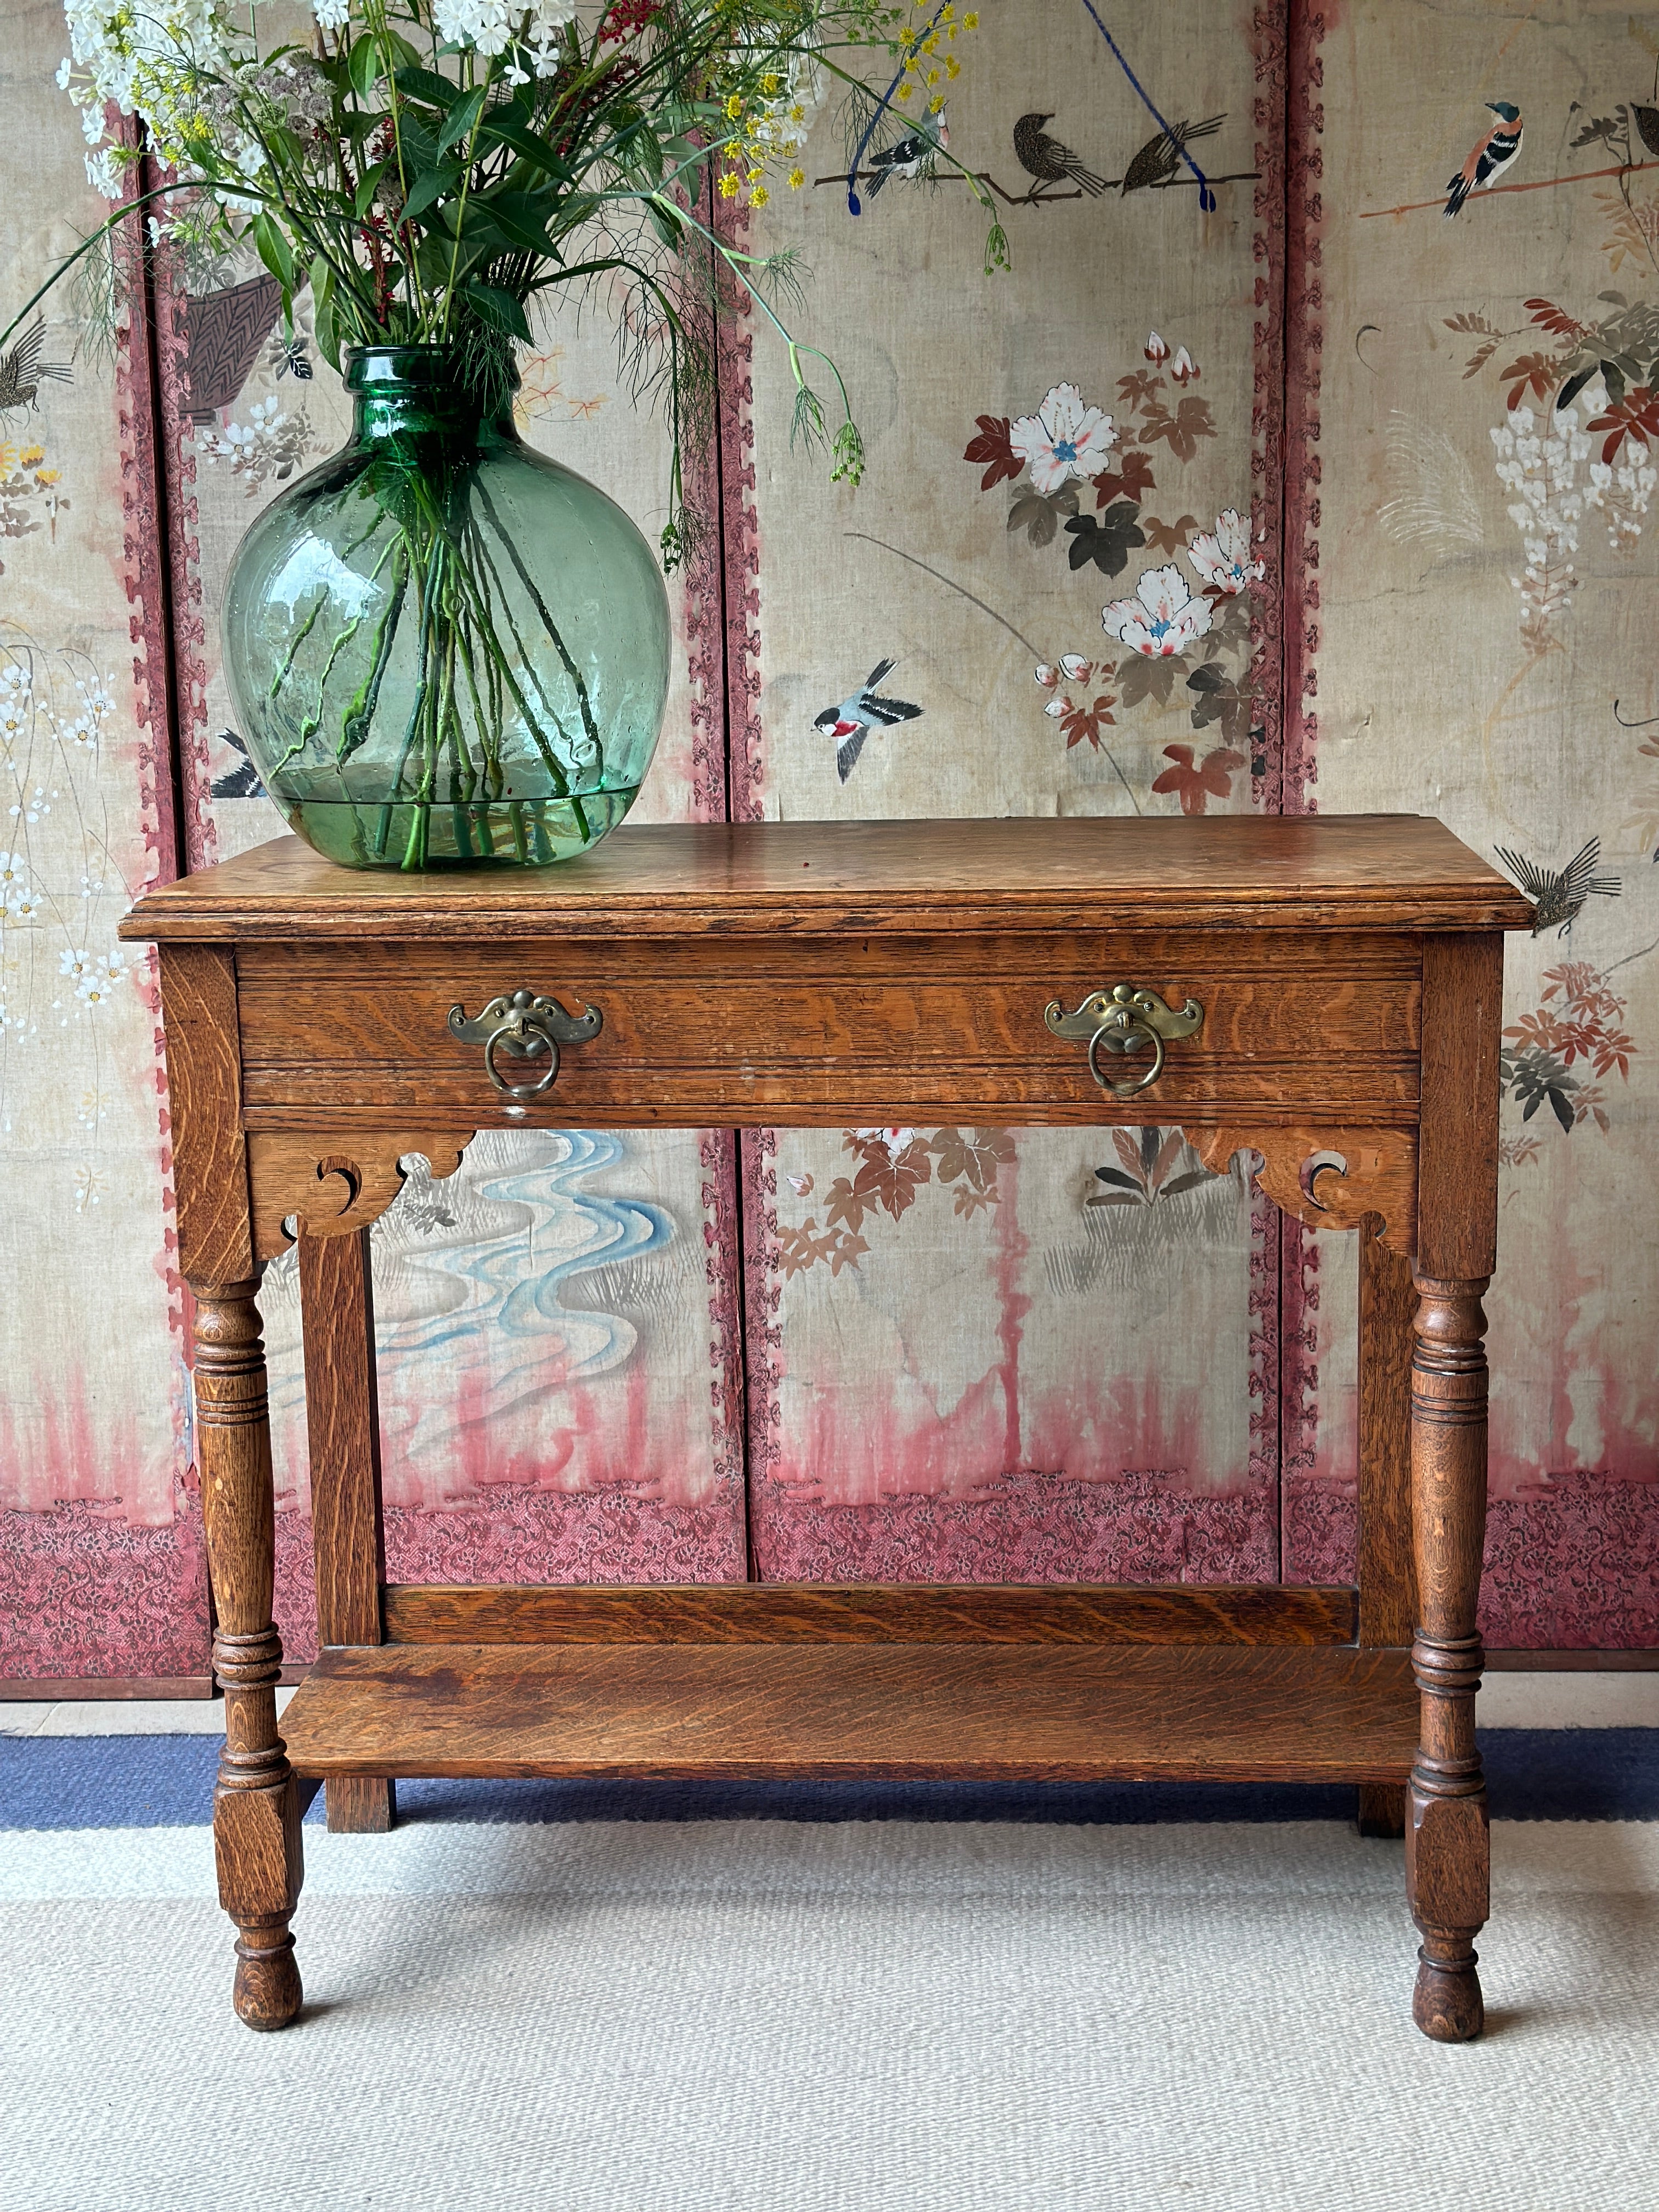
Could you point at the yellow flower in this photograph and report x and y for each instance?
(906, 89)
(933, 77)
(45, 477)
(797, 113)
(797, 178)
(952, 66)
(759, 196)
(928, 44)
(33, 457)
(729, 186)
(970, 20)
(770, 84)
(10, 458)
(734, 105)
(936, 104)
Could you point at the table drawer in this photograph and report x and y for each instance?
(725, 1031)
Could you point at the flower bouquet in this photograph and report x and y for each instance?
(445, 648)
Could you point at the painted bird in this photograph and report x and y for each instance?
(1160, 157)
(1557, 898)
(22, 371)
(1048, 160)
(1495, 151)
(851, 723)
(905, 158)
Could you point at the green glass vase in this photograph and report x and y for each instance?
(445, 650)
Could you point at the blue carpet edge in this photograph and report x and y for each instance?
(50, 1782)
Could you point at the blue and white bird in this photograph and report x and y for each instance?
(1495, 153)
(907, 157)
(863, 710)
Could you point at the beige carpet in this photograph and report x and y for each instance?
(887, 2018)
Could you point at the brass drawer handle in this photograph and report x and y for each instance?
(524, 1026)
(1127, 1018)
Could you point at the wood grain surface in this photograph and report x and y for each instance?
(734, 1040)
(867, 1613)
(971, 1711)
(205, 1108)
(1310, 871)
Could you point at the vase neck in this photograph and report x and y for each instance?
(403, 392)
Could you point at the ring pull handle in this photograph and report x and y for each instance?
(523, 1027)
(1127, 1018)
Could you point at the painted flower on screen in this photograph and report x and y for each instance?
(1064, 439)
(1162, 619)
(1222, 556)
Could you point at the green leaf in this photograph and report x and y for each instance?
(458, 123)
(419, 146)
(363, 65)
(427, 86)
(519, 219)
(322, 297)
(368, 184)
(499, 309)
(273, 250)
(429, 187)
(527, 145)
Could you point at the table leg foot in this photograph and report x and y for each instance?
(267, 1994)
(1447, 2003)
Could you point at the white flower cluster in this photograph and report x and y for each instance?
(94, 976)
(1622, 490)
(144, 55)
(1542, 470)
(16, 689)
(332, 14)
(128, 52)
(491, 25)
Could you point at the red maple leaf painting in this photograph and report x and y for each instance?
(991, 446)
(1210, 778)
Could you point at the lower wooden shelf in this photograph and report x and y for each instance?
(967, 1711)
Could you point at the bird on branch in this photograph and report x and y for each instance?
(1049, 160)
(1159, 159)
(908, 157)
(1495, 153)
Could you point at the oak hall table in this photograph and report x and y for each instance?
(1326, 991)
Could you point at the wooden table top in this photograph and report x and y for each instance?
(1399, 872)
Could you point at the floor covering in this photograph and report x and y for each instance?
(570, 1996)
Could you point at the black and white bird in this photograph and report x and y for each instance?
(241, 781)
(1557, 898)
(1049, 160)
(1160, 157)
(862, 711)
(22, 372)
(906, 157)
(1486, 163)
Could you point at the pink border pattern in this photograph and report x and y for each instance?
(1267, 409)
(1304, 337)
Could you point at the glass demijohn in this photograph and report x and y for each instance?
(445, 649)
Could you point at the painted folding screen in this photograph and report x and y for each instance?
(101, 1564)
(1018, 1353)
(1474, 554)
(957, 1366)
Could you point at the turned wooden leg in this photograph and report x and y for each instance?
(1388, 1596)
(256, 1806)
(1446, 1839)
